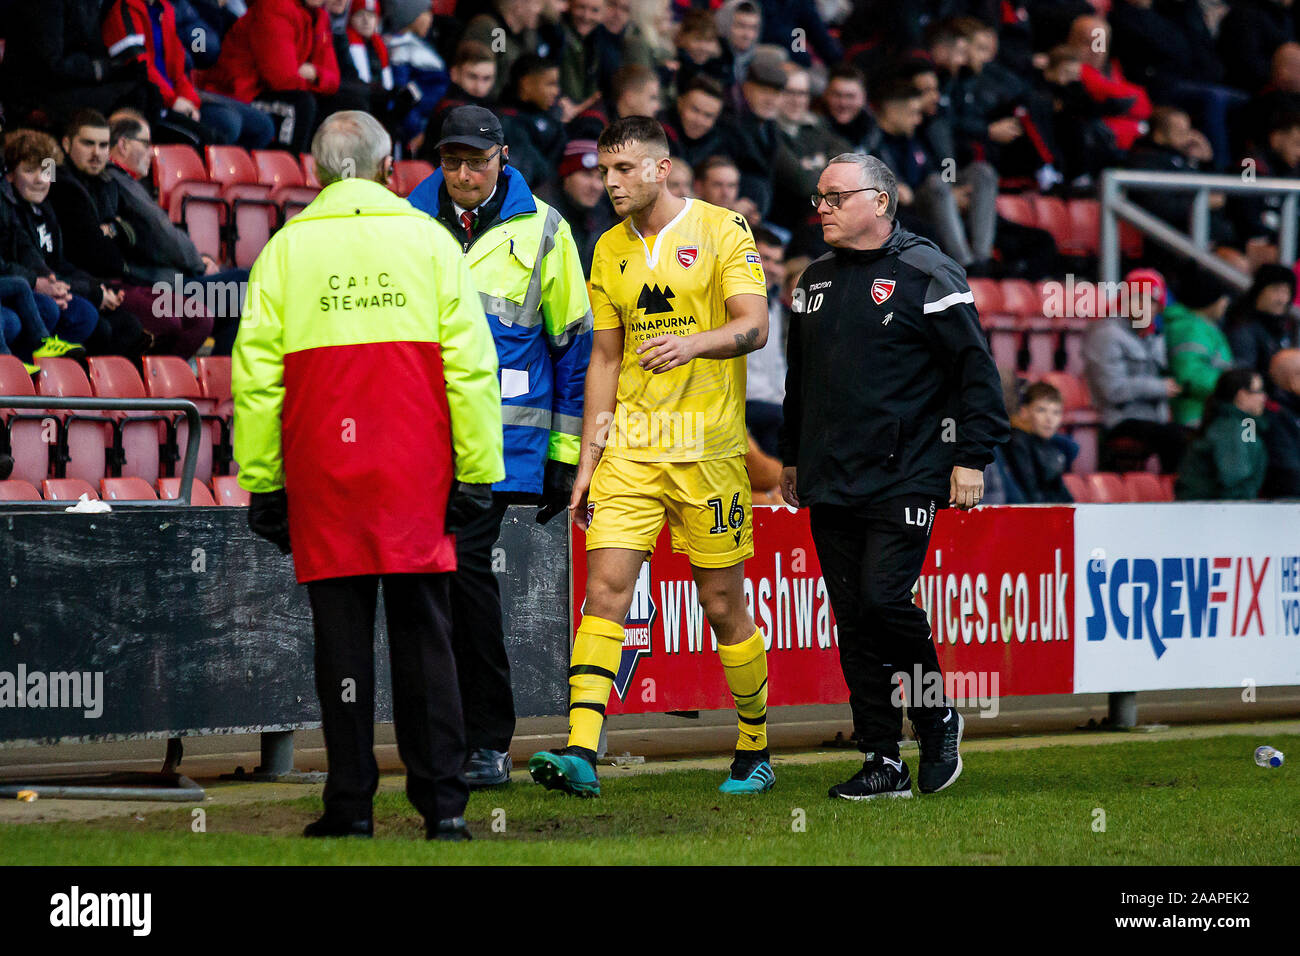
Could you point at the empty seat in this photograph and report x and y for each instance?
(1072, 339)
(1108, 487)
(170, 489)
(16, 489)
(126, 489)
(1042, 341)
(32, 432)
(407, 174)
(1088, 436)
(190, 198)
(309, 176)
(1078, 487)
(214, 381)
(1021, 299)
(1167, 486)
(137, 434)
(67, 489)
(1050, 213)
(226, 489)
(167, 376)
(1016, 208)
(253, 213)
(1074, 393)
(1085, 227)
(85, 436)
(988, 296)
(289, 189)
(1144, 486)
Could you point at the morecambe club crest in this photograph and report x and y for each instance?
(686, 255)
(881, 290)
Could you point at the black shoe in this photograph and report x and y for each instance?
(328, 826)
(940, 761)
(879, 777)
(6, 467)
(487, 768)
(451, 830)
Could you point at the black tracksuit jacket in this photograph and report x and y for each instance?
(890, 382)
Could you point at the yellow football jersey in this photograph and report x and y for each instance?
(676, 283)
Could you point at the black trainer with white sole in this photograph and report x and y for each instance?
(940, 756)
(879, 777)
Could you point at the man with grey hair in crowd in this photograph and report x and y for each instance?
(368, 431)
(893, 408)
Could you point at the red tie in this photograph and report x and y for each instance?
(467, 220)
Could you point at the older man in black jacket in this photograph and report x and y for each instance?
(893, 409)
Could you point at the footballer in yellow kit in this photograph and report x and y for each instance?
(679, 299)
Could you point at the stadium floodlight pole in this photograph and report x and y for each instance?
(44, 402)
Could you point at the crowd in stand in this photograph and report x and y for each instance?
(963, 99)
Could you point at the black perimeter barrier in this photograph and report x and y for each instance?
(195, 626)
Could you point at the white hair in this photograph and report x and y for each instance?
(875, 175)
(350, 145)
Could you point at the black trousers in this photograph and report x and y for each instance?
(294, 114)
(426, 696)
(1128, 445)
(478, 636)
(871, 557)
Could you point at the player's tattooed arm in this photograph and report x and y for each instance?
(746, 342)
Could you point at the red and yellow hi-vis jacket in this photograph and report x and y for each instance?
(363, 369)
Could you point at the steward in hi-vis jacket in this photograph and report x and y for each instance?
(365, 385)
(528, 272)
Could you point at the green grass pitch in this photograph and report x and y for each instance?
(1195, 801)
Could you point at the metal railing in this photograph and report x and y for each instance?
(1195, 243)
(43, 402)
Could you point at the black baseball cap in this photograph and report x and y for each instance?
(472, 126)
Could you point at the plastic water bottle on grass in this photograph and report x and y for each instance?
(1266, 756)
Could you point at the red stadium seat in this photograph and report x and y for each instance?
(1078, 487)
(31, 431)
(16, 489)
(226, 489)
(254, 215)
(1051, 214)
(138, 435)
(988, 297)
(189, 197)
(1072, 388)
(86, 436)
(1085, 227)
(126, 489)
(1073, 331)
(1144, 486)
(1021, 299)
(1167, 485)
(214, 381)
(1042, 338)
(407, 174)
(1017, 209)
(1130, 241)
(276, 168)
(309, 176)
(67, 489)
(167, 376)
(1108, 487)
(170, 489)
(1088, 436)
(289, 189)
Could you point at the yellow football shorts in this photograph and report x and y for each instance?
(707, 504)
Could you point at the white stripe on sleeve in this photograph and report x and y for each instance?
(134, 39)
(952, 298)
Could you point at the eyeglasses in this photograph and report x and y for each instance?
(834, 199)
(451, 164)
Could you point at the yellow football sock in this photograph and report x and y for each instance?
(596, 652)
(745, 665)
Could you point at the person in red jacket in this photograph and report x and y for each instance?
(149, 26)
(1129, 105)
(279, 56)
